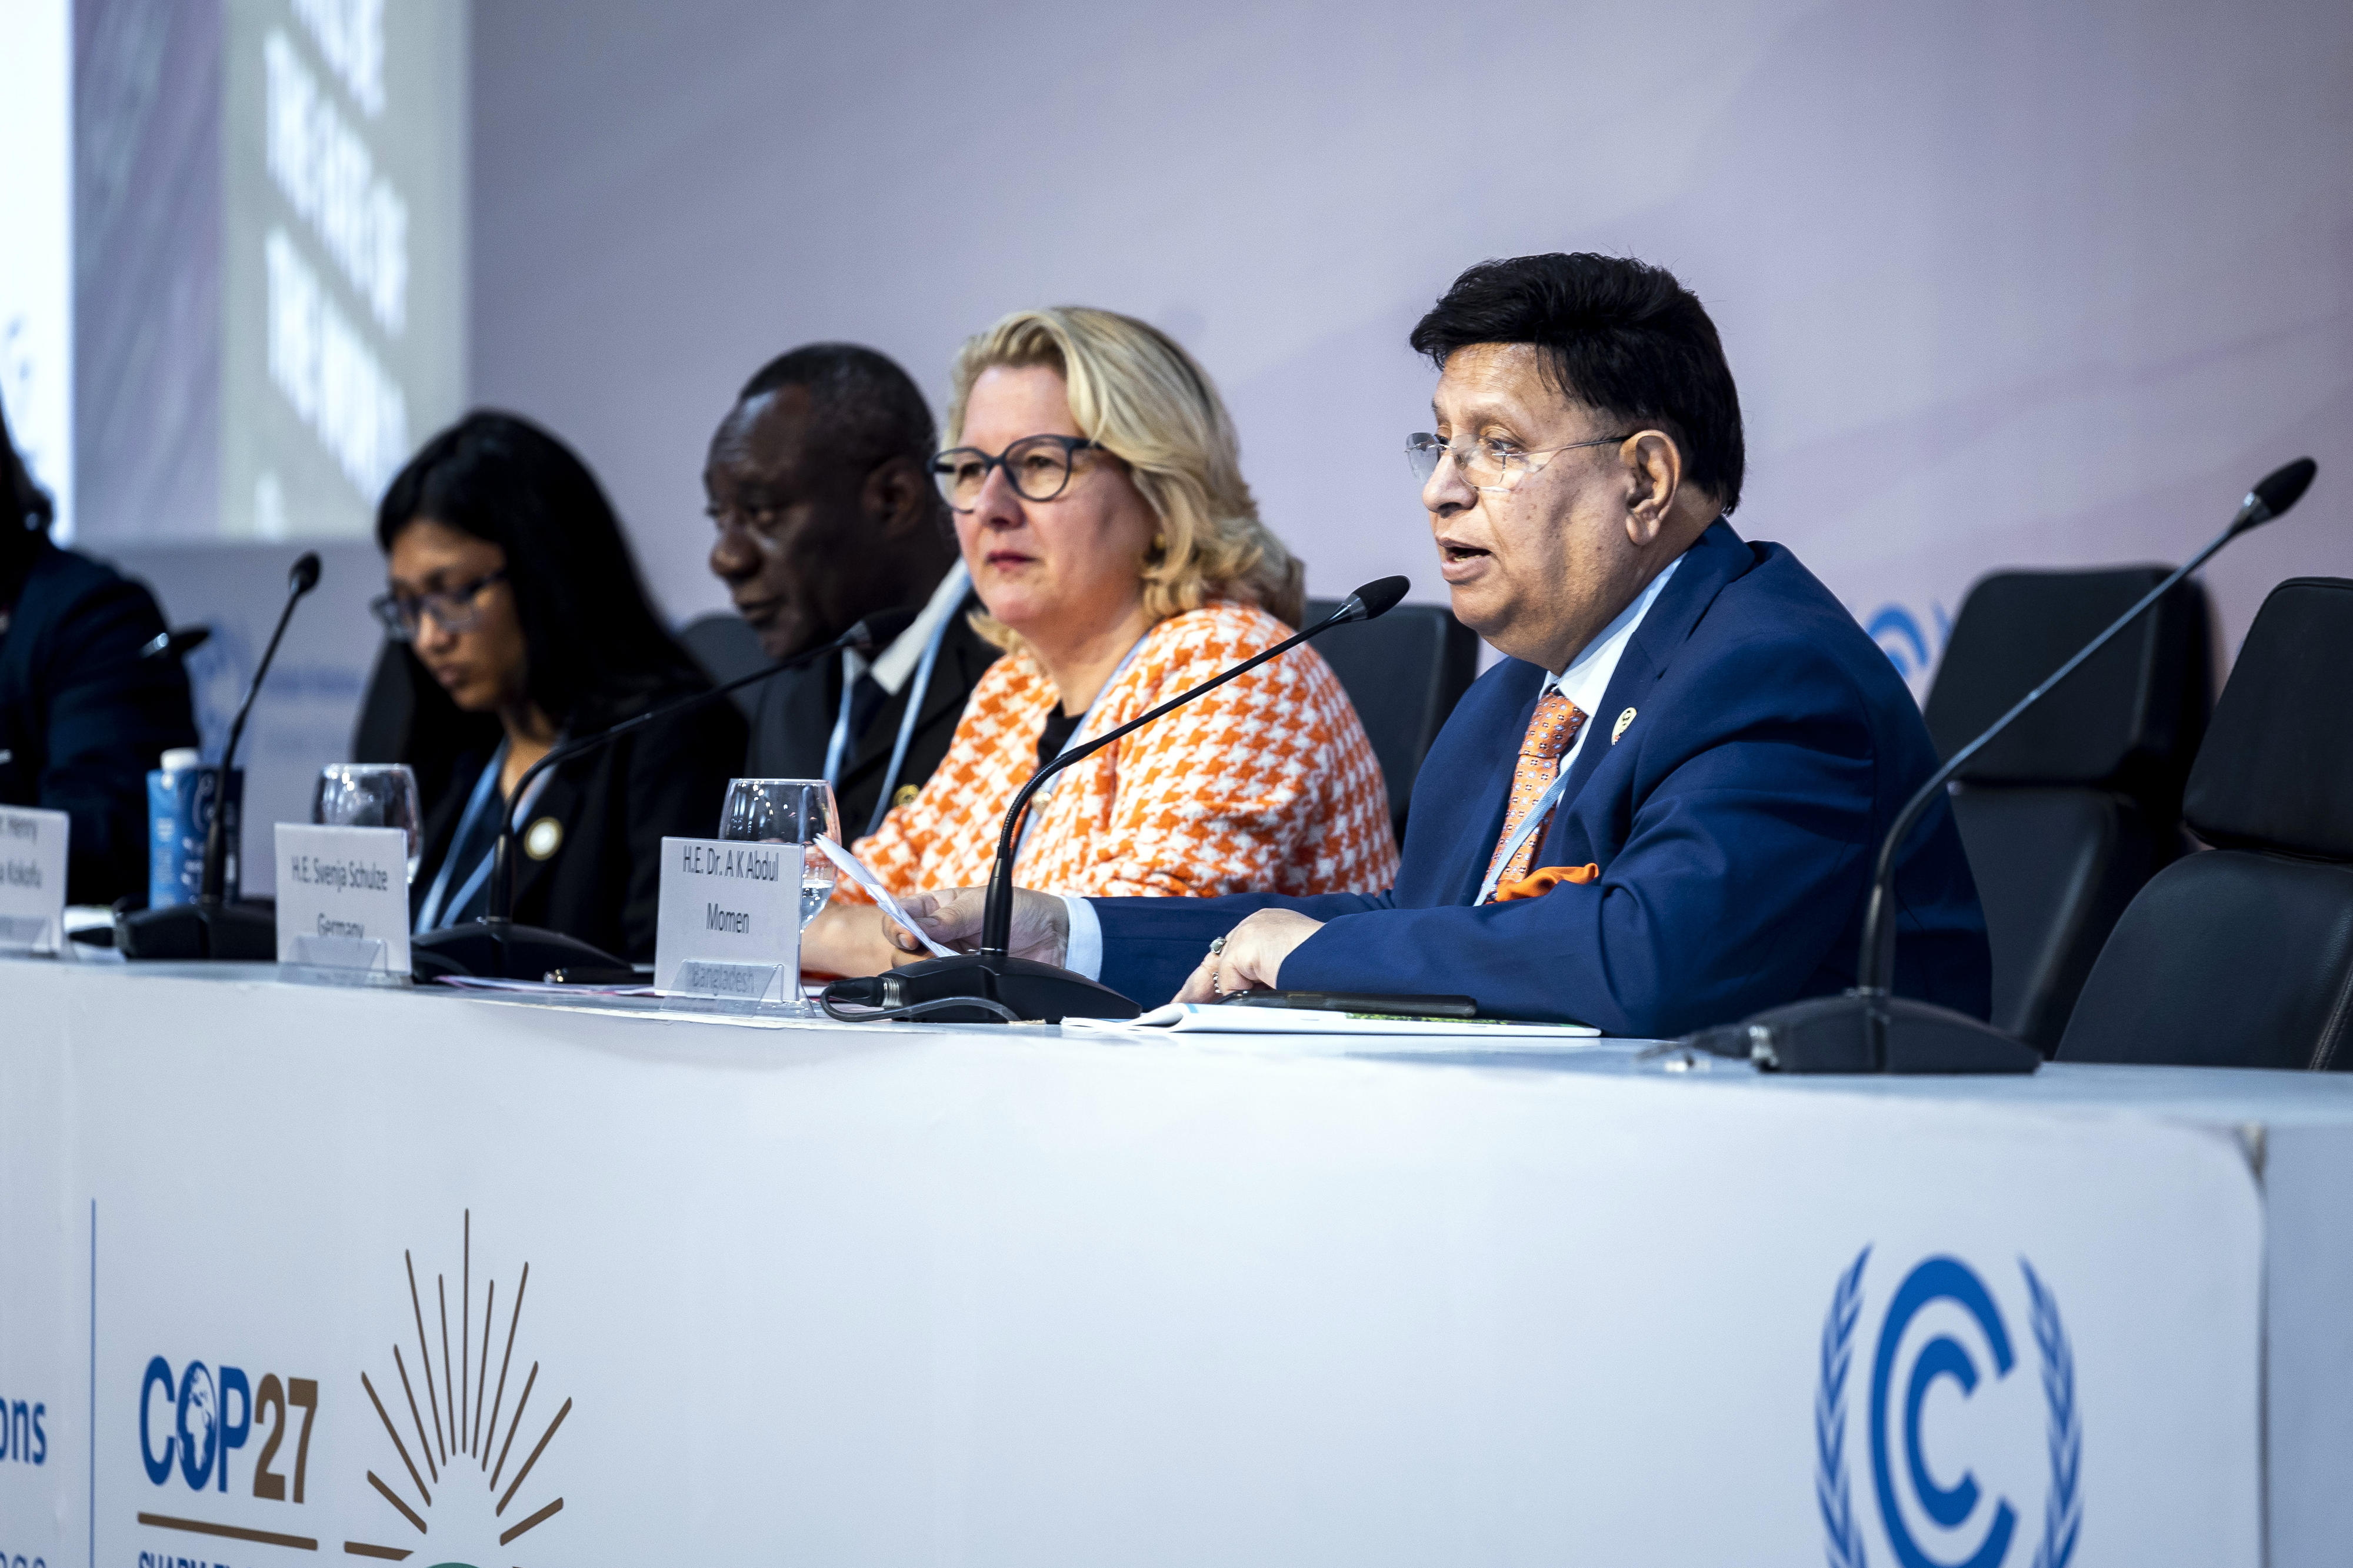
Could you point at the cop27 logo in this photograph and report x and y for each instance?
(190, 1423)
(1937, 1313)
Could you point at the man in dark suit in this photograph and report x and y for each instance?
(1660, 810)
(82, 716)
(820, 484)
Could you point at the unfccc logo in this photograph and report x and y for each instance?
(1942, 1327)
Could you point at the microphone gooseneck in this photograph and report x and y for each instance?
(299, 579)
(1373, 600)
(867, 636)
(1876, 966)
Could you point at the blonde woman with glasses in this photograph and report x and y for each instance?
(1099, 503)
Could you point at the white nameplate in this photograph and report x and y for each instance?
(32, 879)
(731, 919)
(342, 896)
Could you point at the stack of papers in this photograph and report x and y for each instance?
(1217, 1018)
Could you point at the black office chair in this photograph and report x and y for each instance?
(2067, 815)
(726, 647)
(2243, 955)
(1404, 672)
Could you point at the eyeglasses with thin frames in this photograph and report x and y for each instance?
(1488, 463)
(452, 609)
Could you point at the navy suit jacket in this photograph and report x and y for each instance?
(1735, 821)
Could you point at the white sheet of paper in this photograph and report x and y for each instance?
(854, 869)
(32, 879)
(729, 920)
(1217, 1018)
(342, 896)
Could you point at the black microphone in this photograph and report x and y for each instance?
(212, 927)
(993, 985)
(1870, 1029)
(495, 945)
(173, 644)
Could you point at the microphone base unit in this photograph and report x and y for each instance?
(503, 950)
(1023, 986)
(1863, 1032)
(207, 930)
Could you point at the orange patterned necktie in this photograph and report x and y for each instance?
(1555, 726)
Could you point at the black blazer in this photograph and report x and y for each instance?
(794, 723)
(602, 880)
(83, 717)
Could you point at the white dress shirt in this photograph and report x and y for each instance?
(1585, 682)
(894, 664)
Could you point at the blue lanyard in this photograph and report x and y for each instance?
(914, 706)
(839, 742)
(1078, 736)
(1528, 824)
(837, 747)
(429, 916)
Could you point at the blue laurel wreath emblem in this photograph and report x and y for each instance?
(1830, 1419)
(2062, 1514)
(2063, 1511)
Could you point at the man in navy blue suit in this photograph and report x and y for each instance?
(1659, 811)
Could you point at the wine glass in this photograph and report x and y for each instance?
(787, 811)
(371, 795)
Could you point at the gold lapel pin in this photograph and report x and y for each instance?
(1618, 730)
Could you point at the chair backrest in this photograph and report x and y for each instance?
(2071, 811)
(1404, 672)
(2128, 721)
(726, 646)
(2243, 957)
(2056, 868)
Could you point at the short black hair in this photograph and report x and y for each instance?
(1617, 335)
(863, 409)
(591, 636)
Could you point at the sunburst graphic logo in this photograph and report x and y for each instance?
(464, 1406)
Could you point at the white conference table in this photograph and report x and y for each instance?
(802, 1293)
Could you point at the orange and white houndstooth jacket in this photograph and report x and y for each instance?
(1266, 784)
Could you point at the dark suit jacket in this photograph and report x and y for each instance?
(83, 717)
(796, 716)
(1734, 824)
(603, 883)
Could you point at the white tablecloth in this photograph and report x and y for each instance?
(896, 1295)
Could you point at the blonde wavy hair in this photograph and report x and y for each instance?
(1140, 398)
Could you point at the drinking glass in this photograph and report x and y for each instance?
(787, 811)
(371, 795)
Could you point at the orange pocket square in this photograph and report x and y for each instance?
(1544, 879)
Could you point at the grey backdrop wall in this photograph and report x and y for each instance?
(2003, 282)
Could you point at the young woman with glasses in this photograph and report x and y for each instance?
(520, 616)
(1096, 489)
